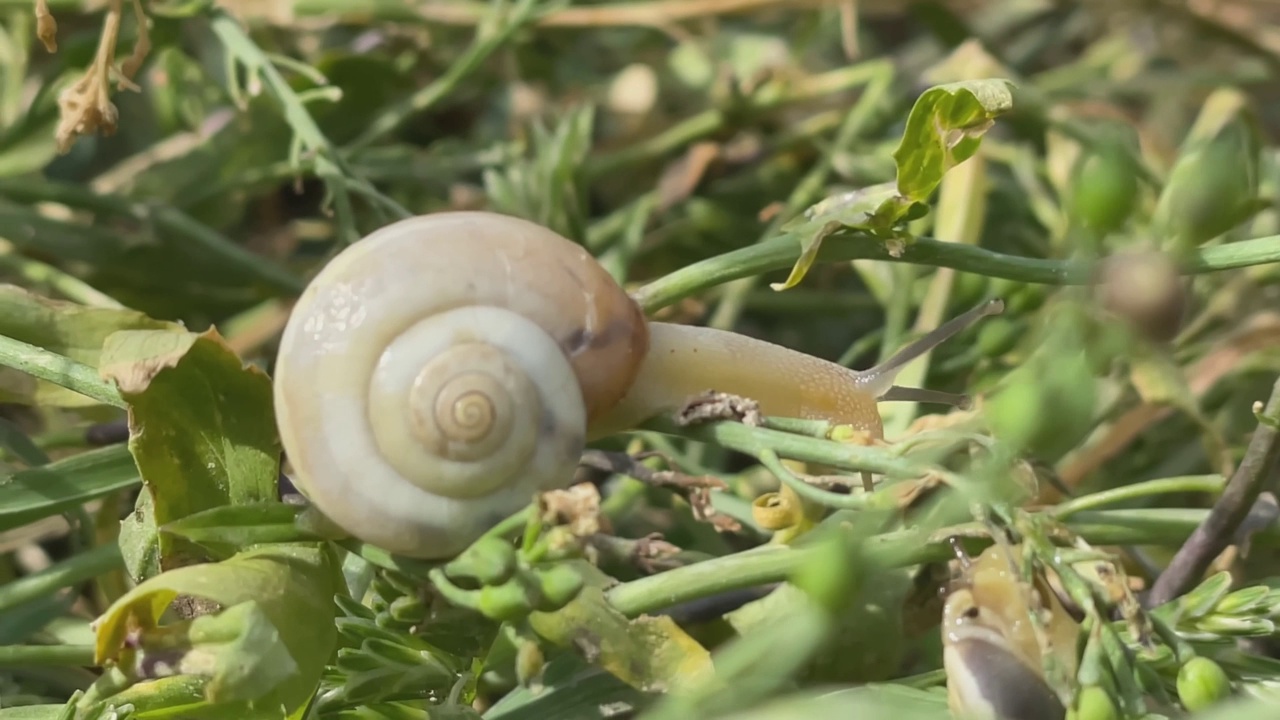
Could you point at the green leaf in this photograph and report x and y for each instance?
(140, 540)
(32, 712)
(34, 493)
(877, 210)
(13, 439)
(201, 423)
(571, 689)
(291, 585)
(66, 328)
(236, 527)
(1252, 600)
(652, 654)
(869, 701)
(944, 129)
(159, 698)
(1204, 598)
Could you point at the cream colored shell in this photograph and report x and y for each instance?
(437, 374)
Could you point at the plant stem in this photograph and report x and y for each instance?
(59, 655)
(782, 252)
(771, 564)
(879, 76)
(69, 286)
(1188, 484)
(1217, 531)
(72, 571)
(329, 164)
(169, 219)
(58, 370)
(754, 440)
(492, 33)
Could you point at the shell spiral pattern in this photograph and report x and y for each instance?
(428, 380)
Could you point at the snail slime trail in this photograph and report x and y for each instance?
(421, 396)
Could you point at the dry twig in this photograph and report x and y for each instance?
(695, 489)
(86, 106)
(1216, 532)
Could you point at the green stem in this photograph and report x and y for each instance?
(69, 286)
(1141, 490)
(330, 165)
(711, 120)
(782, 252)
(771, 564)
(492, 34)
(58, 655)
(755, 440)
(168, 219)
(73, 571)
(878, 76)
(58, 370)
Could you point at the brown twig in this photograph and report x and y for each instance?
(712, 405)
(695, 489)
(1218, 529)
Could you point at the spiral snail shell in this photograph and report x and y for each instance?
(436, 375)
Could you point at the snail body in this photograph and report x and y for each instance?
(435, 376)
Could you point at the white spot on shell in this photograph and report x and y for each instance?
(343, 313)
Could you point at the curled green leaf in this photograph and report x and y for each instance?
(944, 129)
(878, 211)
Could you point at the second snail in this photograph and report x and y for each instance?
(439, 373)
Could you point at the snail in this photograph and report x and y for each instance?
(435, 376)
(991, 653)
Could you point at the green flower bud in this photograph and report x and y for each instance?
(1056, 376)
(1214, 183)
(1236, 626)
(1244, 600)
(1104, 189)
(492, 561)
(507, 602)
(559, 585)
(997, 336)
(1204, 597)
(1095, 703)
(407, 608)
(1201, 683)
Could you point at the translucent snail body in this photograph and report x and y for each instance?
(436, 375)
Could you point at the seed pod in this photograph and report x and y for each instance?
(1094, 703)
(1144, 289)
(1201, 683)
(1214, 183)
(559, 585)
(507, 602)
(491, 561)
(1104, 188)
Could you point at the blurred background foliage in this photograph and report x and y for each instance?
(262, 137)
